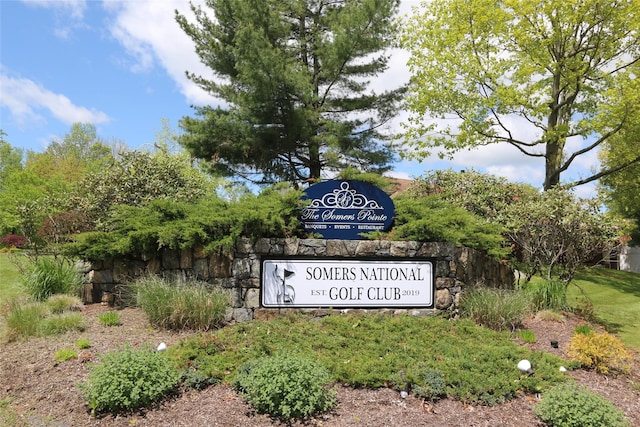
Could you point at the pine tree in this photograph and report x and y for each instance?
(293, 78)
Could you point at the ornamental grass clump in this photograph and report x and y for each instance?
(59, 303)
(550, 295)
(285, 386)
(497, 309)
(129, 379)
(23, 318)
(109, 318)
(48, 276)
(570, 405)
(26, 318)
(177, 306)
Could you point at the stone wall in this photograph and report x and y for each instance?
(456, 268)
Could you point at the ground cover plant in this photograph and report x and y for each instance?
(478, 365)
(65, 354)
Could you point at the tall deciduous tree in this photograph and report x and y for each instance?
(562, 68)
(622, 190)
(293, 76)
(10, 159)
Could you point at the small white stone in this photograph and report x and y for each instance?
(404, 394)
(162, 347)
(563, 369)
(525, 366)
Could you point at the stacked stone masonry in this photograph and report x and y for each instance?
(456, 269)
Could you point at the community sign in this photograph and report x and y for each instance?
(338, 209)
(329, 282)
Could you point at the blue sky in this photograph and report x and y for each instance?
(120, 65)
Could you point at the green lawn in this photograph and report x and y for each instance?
(9, 279)
(616, 299)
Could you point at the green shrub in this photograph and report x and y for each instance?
(424, 382)
(182, 306)
(497, 309)
(285, 386)
(128, 379)
(211, 222)
(550, 295)
(83, 343)
(47, 276)
(60, 303)
(569, 405)
(61, 323)
(110, 318)
(65, 354)
(603, 352)
(428, 219)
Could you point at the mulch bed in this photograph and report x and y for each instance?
(42, 392)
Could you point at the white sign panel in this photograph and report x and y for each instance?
(346, 283)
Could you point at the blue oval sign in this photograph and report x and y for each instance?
(346, 209)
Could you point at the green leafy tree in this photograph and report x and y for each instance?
(10, 163)
(556, 233)
(28, 195)
(294, 79)
(622, 190)
(33, 194)
(135, 179)
(10, 159)
(80, 144)
(565, 69)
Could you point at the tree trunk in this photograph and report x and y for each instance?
(553, 161)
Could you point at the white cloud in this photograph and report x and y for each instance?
(75, 8)
(149, 33)
(27, 101)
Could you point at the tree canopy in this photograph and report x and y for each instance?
(532, 74)
(294, 80)
(622, 190)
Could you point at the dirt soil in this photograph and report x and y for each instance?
(37, 391)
